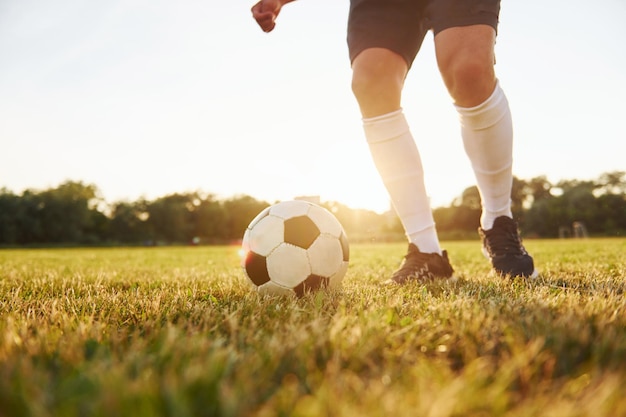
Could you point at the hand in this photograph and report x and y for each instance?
(265, 13)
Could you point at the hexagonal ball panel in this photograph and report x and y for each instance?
(266, 235)
(325, 255)
(274, 289)
(325, 221)
(337, 278)
(288, 209)
(288, 265)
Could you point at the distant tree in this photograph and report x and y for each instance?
(9, 209)
(519, 198)
(239, 212)
(611, 214)
(462, 218)
(74, 212)
(210, 220)
(169, 218)
(365, 225)
(64, 214)
(600, 205)
(28, 219)
(611, 203)
(539, 189)
(612, 183)
(470, 198)
(128, 223)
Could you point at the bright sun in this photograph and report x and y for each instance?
(354, 182)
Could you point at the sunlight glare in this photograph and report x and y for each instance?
(345, 173)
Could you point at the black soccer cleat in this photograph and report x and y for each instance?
(422, 267)
(502, 245)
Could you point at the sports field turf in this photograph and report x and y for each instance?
(177, 331)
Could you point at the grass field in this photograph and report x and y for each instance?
(177, 332)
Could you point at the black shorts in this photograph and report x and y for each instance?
(401, 25)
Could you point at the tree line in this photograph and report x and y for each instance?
(73, 213)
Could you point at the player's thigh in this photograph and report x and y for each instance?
(395, 25)
(465, 32)
(469, 45)
(445, 14)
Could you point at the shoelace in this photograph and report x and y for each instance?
(414, 259)
(504, 241)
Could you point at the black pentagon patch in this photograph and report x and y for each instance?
(256, 268)
(301, 231)
(345, 247)
(312, 283)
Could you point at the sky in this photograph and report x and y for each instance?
(144, 98)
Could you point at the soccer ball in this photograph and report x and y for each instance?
(295, 247)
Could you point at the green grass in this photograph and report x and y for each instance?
(177, 332)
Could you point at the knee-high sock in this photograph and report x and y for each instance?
(487, 132)
(400, 167)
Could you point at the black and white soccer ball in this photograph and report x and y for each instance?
(295, 247)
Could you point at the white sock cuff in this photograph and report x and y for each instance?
(423, 225)
(386, 126)
(506, 208)
(487, 113)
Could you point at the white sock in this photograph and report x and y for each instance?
(487, 132)
(400, 167)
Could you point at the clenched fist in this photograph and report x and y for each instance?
(265, 13)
